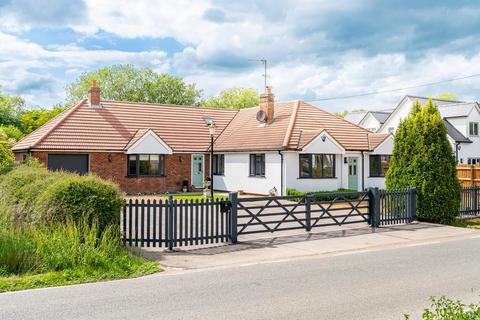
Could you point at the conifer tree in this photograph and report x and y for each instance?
(423, 158)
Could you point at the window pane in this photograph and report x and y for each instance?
(132, 164)
(258, 165)
(262, 164)
(221, 164)
(374, 166)
(144, 165)
(215, 164)
(252, 164)
(304, 165)
(154, 165)
(385, 163)
(317, 165)
(328, 165)
(162, 165)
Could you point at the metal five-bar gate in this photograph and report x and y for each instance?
(174, 223)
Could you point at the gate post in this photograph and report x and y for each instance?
(233, 198)
(412, 201)
(308, 213)
(374, 207)
(170, 223)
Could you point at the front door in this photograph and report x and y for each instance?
(352, 173)
(197, 170)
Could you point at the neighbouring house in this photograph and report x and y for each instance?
(149, 148)
(372, 120)
(461, 121)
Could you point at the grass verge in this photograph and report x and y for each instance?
(65, 254)
(473, 223)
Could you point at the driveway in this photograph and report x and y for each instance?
(370, 285)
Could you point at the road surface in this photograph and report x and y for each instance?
(369, 285)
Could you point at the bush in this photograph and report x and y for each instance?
(30, 195)
(423, 159)
(446, 309)
(78, 196)
(6, 155)
(321, 197)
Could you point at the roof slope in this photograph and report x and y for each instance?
(456, 135)
(113, 126)
(453, 110)
(381, 116)
(245, 133)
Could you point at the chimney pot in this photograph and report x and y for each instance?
(94, 95)
(267, 103)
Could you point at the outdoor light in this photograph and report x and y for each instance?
(324, 137)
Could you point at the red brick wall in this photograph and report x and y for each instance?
(113, 166)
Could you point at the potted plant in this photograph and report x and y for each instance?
(185, 185)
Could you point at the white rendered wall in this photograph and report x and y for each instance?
(370, 123)
(237, 169)
(467, 150)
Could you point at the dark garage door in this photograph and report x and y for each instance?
(69, 162)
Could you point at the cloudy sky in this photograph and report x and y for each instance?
(315, 49)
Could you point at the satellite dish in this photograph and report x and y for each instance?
(261, 116)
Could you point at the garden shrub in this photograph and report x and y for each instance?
(295, 192)
(422, 158)
(29, 194)
(447, 309)
(76, 196)
(6, 155)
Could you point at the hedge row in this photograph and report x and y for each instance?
(321, 194)
(31, 195)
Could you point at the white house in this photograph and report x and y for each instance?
(295, 145)
(461, 120)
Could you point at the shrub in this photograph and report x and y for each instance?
(78, 196)
(422, 158)
(6, 155)
(29, 194)
(321, 196)
(446, 309)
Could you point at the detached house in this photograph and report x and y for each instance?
(157, 148)
(461, 120)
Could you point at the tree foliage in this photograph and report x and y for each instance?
(6, 155)
(233, 98)
(448, 96)
(32, 119)
(10, 109)
(423, 158)
(134, 84)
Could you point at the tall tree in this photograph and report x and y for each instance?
(10, 109)
(233, 98)
(134, 84)
(423, 158)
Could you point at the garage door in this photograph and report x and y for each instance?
(69, 162)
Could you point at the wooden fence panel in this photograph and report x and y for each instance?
(469, 174)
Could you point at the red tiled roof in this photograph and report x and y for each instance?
(113, 126)
(245, 133)
(118, 125)
(377, 138)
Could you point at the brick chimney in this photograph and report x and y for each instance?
(267, 103)
(94, 95)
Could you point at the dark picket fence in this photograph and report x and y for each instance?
(176, 223)
(470, 202)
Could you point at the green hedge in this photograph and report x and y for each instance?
(295, 192)
(31, 195)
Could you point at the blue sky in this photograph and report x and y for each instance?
(315, 49)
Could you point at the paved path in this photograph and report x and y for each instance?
(369, 285)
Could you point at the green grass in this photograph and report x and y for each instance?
(65, 254)
(467, 223)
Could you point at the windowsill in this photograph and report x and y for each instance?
(132, 176)
(317, 178)
(257, 176)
